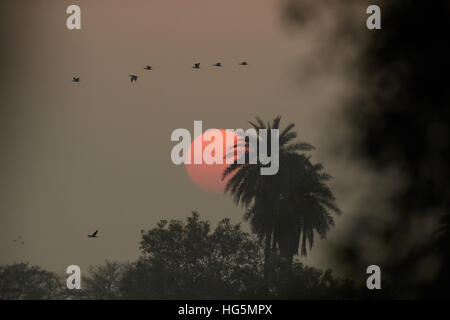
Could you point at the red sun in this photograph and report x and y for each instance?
(209, 176)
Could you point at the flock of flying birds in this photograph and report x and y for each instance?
(134, 77)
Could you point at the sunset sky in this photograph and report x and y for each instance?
(96, 154)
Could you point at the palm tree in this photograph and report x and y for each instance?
(306, 210)
(263, 193)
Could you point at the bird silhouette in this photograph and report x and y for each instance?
(196, 65)
(133, 77)
(148, 68)
(243, 63)
(94, 235)
(218, 64)
(76, 79)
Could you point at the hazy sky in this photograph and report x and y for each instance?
(96, 155)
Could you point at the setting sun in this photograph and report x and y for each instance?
(209, 176)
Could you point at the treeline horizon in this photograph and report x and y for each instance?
(184, 260)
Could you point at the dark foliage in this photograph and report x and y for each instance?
(23, 282)
(183, 260)
(400, 116)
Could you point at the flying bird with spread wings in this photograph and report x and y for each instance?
(133, 77)
(218, 64)
(94, 235)
(196, 65)
(148, 68)
(76, 79)
(243, 63)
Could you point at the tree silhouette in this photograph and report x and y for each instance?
(306, 210)
(187, 260)
(20, 281)
(283, 209)
(103, 281)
